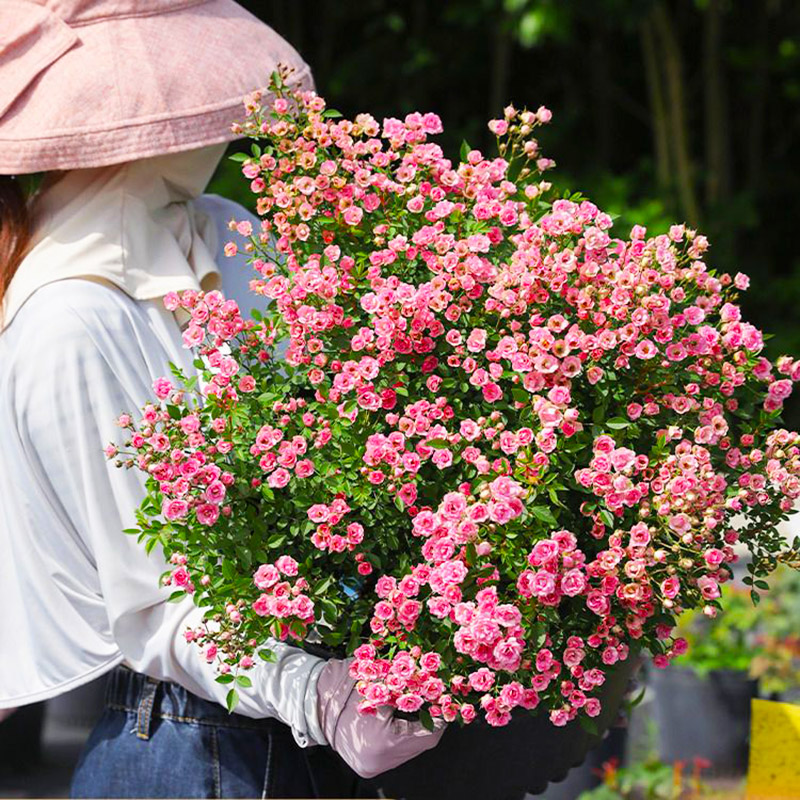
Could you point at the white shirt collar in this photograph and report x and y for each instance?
(133, 225)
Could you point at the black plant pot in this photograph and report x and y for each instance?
(477, 761)
(704, 716)
(588, 775)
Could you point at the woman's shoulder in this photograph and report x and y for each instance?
(65, 322)
(70, 305)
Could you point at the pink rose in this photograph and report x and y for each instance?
(481, 680)
(262, 605)
(559, 717)
(215, 492)
(385, 585)
(287, 565)
(709, 588)
(597, 603)
(304, 468)
(266, 576)
(573, 583)
(207, 513)
(670, 587)
(409, 702)
(279, 478)
(162, 388)
(592, 707)
(467, 712)
(175, 509)
(430, 662)
(318, 512)
(476, 340)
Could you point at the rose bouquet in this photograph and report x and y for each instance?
(501, 448)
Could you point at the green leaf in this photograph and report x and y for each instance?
(240, 157)
(426, 719)
(226, 678)
(631, 704)
(276, 541)
(465, 148)
(543, 514)
(177, 595)
(607, 517)
(329, 610)
(267, 655)
(244, 681)
(521, 395)
(617, 423)
(588, 724)
(232, 700)
(331, 113)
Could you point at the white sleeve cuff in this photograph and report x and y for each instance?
(315, 734)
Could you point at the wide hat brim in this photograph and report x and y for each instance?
(88, 83)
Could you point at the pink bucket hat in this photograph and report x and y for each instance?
(87, 83)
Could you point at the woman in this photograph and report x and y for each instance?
(126, 106)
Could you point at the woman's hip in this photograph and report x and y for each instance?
(155, 739)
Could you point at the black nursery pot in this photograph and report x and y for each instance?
(477, 761)
(704, 716)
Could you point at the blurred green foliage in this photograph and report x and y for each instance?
(762, 640)
(664, 111)
(729, 641)
(651, 780)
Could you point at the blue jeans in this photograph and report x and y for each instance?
(155, 739)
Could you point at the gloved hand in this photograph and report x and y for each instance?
(369, 743)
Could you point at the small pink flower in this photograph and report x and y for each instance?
(409, 702)
(592, 707)
(175, 509)
(304, 468)
(287, 565)
(162, 388)
(353, 215)
(279, 478)
(266, 576)
(207, 513)
(481, 680)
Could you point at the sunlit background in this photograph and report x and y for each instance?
(683, 111)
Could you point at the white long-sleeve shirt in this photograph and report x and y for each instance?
(78, 596)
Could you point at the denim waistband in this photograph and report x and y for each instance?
(149, 698)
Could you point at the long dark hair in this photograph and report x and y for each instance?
(15, 229)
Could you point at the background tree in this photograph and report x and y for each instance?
(665, 110)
